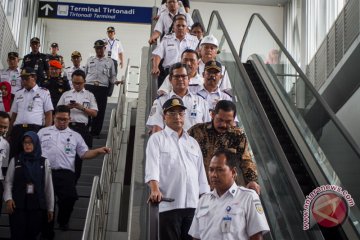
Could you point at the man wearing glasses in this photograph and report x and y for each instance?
(28, 109)
(82, 105)
(197, 110)
(175, 169)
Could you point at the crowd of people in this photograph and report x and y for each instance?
(49, 115)
(198, 165)
(197, 155)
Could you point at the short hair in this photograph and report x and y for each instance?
(62, 109)
(199, 25)
(177, 66)
(179, 16)
(226, 106)
(78, 72)
(190, 51)
(4, 115)
(231, 158)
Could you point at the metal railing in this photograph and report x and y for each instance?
(337, 42)
(7, 41)
(196, 16)
(96, 216)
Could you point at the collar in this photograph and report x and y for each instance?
(81, 91)
(217, 91)
(16, 70)
(168, 131)
(36, 87)
(173, 94)
(231, 191)
(53, 127)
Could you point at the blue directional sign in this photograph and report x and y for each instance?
(94, 12)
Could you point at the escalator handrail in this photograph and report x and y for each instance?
(308, 84)
(196, 15)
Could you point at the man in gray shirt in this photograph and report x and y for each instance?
(100, 72)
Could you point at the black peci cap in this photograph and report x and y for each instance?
(173, 102)
(27, 72)
(213, 65)
(34, 39)
(13, 55)
(99, 44)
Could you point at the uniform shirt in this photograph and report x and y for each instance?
(197, 110)
(166, 19)
(235, 139)
(100, 71)
(171, 48)
(61, 146)
(177, 164)
(68, 71)
(166, 87)
(31, 105)
(2, 107)
(211, 98)
(4, 154)
(224, 84)
(113, 48)
(85, 98)
(12, 77)
(56, 86)
(39, 62)
(163, 8)
(240, 204)
(48, 188)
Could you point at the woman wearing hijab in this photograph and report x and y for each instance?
(5, 99)
(28, 190)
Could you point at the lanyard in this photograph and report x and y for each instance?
(111, 45)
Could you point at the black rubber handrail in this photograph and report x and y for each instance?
(308, 84)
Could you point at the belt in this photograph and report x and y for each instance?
(78, 124)
(97, 84)
(27, 125)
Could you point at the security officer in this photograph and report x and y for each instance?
(210, 90)
(76, 60)
(56, 84)
(60, 144)
(229, 211)
(12, 74)
(83, 105)
(54, 48)
(28, 108)
(4, 149)
(197, 109)
(100, 72)
(171, 48)
(37, 61)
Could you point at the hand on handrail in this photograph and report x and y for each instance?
(163, 199)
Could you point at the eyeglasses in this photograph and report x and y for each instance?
(179, 76)
(175, 114)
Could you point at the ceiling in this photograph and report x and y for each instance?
(251, 2)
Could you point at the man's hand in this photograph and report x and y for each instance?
(50, 215)
(103, 150)
(75, 105)
(155, 196)
(152, 40)
(117, 82)
(155, 70)
(121, 64)
(254, 186)
(10, 206)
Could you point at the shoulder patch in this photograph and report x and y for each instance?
(228, 92)
(259, 208)
(200, 96)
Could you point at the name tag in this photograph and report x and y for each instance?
(225, 224)
(30, 188)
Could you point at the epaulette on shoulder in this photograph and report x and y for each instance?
(45, 89)
(169, 35)
(200, 96)
(162, 95)
(19, 89)
(117, 40)
(227, 92)
(67, 67)
(193, 85)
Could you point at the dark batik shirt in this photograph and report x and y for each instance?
(234, 139)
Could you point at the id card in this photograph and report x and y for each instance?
(30, 188)
(225, 224)
(109, 54)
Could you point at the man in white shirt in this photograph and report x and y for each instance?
(171, 48)
(76, 60)
(175, 169)
(229, 211)
(12, 73)
(114, 48)
(4, 149)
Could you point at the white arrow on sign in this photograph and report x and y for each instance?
(47, 7)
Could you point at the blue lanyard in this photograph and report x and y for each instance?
(111, 45)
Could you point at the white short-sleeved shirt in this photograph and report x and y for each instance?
(85, 98)
(100, 71)
(171, 48)
(166, 19)
(114, 47)
(240, 204)
(13, 77)
(4, 154)
(166, 87)
(211, 98)
(61, 146)
(31, 105)
(177, 164)
(197, 110)
(163, 8)
(224, 84)
(68, 71)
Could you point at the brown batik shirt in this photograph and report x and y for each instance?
(234, 139)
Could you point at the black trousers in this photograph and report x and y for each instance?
(175, 224)
(25, 224)
(16, 137)
(66, 195)
(163, 74)
(100, 94)
(1, 194)
(83, 130)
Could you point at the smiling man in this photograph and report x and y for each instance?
(229, 211)
(221, 133)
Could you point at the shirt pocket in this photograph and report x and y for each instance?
(46, 141)
(171, 52)
(38, 102)
(92, 68)
(167, 159)
(238, 220)
(202, 217)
